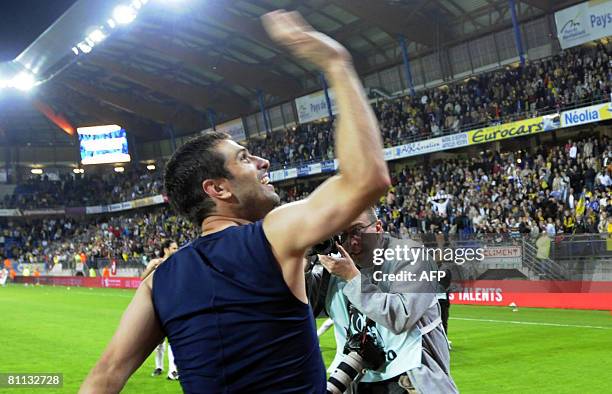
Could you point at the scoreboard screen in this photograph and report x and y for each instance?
(103, 144)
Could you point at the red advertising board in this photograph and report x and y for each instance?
(523, 293)
(536, 294)
(81, 281)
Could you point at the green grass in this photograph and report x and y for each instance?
(53, 329)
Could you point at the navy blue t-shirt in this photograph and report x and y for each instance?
(234, 325)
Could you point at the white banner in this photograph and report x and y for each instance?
(584, 22)
(126, 205)
(43, 212)
(426, 146)
(314, 106)
(95, 209)
(594, 113)
(235, 128)
(9, 212)
(503, 255)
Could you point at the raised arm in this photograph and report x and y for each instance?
(137, 335)
(363, 176)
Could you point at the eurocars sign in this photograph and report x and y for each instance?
(513, 129)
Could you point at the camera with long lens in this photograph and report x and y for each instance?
(325, 247)
(362, 351)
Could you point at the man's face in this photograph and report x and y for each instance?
(359, 238)
(170, 250)
(251, 191)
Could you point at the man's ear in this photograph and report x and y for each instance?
(217, 188)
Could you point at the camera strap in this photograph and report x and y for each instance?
(354, 315)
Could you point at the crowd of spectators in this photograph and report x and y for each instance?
(563, 189)
(70, 190)
(135, 238)
(300, 144)
(576, 76)
(554, 190)
(560, 189)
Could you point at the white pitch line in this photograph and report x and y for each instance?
(100, 294)
(531, 323)
(95, 294)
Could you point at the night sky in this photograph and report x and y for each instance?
(22, 21)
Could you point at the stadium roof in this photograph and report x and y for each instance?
(180, 58)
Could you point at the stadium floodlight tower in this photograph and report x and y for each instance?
(14, 76)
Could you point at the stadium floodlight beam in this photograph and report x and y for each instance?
(75, 50)
(124, 14)
(96, 36)
(111, 23)
(23, 81)
(84, 47)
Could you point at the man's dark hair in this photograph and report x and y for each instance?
(166, 244)
(188, 167)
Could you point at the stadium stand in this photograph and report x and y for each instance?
(562, 189)
(557, 190)
(132, 238)
(87, 189)
(575, 77)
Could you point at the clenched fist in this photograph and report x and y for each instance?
(292, 31)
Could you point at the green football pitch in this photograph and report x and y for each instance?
(495, 350)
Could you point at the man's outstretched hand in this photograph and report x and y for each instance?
(342, 267)
(292, 31)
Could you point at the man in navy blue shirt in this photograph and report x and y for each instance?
(233, 302)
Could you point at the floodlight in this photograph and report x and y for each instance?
(23, 81)
(123, 14)
(97, 36)
(84, 47)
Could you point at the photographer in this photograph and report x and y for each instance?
(397, 324)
